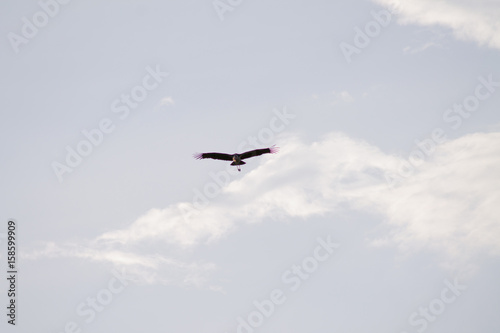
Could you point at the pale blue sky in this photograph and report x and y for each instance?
(274, 71)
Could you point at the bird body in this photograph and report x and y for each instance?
(237, 158)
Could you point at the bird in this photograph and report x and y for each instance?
(237, 158)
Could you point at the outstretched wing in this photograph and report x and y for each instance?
(258, 152)
(215, 156)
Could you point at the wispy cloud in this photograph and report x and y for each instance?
(420, 48)
(425, 38)
(471, 20)
(343, 96)
(450, 205)
(167, 101)
(335, 97)
(164, 103)
(148, 269)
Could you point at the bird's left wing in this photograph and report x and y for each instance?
(215, 156)
(258, 152)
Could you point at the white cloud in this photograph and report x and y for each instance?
(471, 20)
(450, 205)
(452, 202)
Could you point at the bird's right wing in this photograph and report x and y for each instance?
(215, 156)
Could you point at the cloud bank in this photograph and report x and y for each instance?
(449, 205)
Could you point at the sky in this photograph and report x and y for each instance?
(379, 213)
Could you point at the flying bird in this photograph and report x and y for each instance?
(237, 158)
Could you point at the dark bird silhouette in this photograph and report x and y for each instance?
(237, 158)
